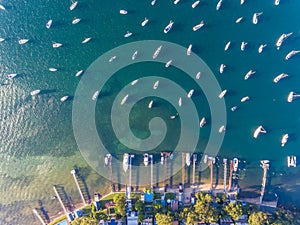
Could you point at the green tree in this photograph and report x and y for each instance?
(258, 218)
(234, 210)
(120, 201)
(205, 211)
(141, 217)
(156, 208)
(191, 218)
(139, 205)
(162, 219)
(85, 221)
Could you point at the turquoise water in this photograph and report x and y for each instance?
(38, 148)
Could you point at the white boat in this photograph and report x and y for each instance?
(35, 92)
(56, 45)
(259, 130)
(279, 77)
(174, 116)
(155, 85)
(64, 98)
(291, 54)
(176, 1)
(23, 41)
(191, 92)
(95, 95)
(162, 158)
(153, 2)
(194, 5)
(227, 45)
(222, 67)
(145, 22)
(189, 49)
(180, 102)
(188, 159)
(11, 76)
(2, 39)
(198, 26)
(134, 55)
(123, 12)
(233, 108)
(128, 34)
(261, 48)
(168, 27)
(125, 161)
(198, 75)
(292, 161)
(246, 98)
(292, 95)
(168, 63)
(73, 5)
(79, 73)
(235, 164)
(222, 94)
(218, 6)
(106, 159)
(86, 40)
(281, 39)
(284, 139)
(157, 51)
(146, 159)
(205, 158)
(255, 17)
(52, 69)
(150, 104)
(243, 45)
(238, 20)
(222, 129)
(124, 99)
(134, 82)
(202, 122)
(242, 2)
(264, 162)
(249, 74)
(2, 7)
(48, 24)
(112, 58)
(276, 2)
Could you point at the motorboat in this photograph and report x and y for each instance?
(123, 12)
(112, 58)
(242, 2)
(227, 45)
(218, 6)
(222, 129)
(279, 77)
(168, 27)
(249, 74)
(56, 45)
(255, 17)
(23, 41)
(134, 55)
(11, 76)
(205, 158)
(79, 73)
(292, 161)
(281, 39)
(291, 54)
(222, 94)
(124, 99)
(162, 158)
(235, 164)
(202, 122)
(145, 22)
(64, 98)
(188, 159)
(198, 26)
(222, 67)
(259, 130)
(2, 39)
(107, 159)
(86, 40)
(168, 63)
(153, 2)
(246, 98)
(134, 82)
(146, 159)
(76, 20)
(194, 5)
(174, 116)
(180, 102)
(189, 50)
(157, 51)
(238, 20)
(128, 34)
(73, 5)
(284, 139)
(198, 75)
(35, 92)
(150, 104)
(261, 48)
(52, 69)
(264, 162)
(191, 92)
(243, 45)
(48, 24)
(176, 1)
(95, 95)
(125, 162)
(276, 2)
(233, 108)
(155, 85)
(2, 7)
(292, 95)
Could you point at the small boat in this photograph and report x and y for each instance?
(189, 49)
(191, 92)
(125, 161)
(155, 85)
(11, 76)
(107, 159)
(222, 67)
(180, 102)
(48, 24)
(233, 108)
(194, 5)
(150, 104)
(86, 40)
(279, 77)
(146, 159)
(238, 20)
(23, 41)
(242, 2)
(292, 161)
(35, 92)
(235, 164)
(168, 27)
(218, 6)
(157, 51)
(198, 26)
(291, 54)
(128, 34)
(249, 74)
(174, 116)
(2, 39)
(123, 12)
(222, 94)
(134, 82)
(95, 95)
(205, 158)
(281, 39)
(259, 130)
(276, 2)
(112, 58)
(284, 139)
(198, 75)
(188, 159)
(243, 45)
(227, 45)
(56, 45)
(162, 158)
(246, 98)
(134, 55)
(145, 22)
(73, 5)
(176, 1)
(52, 69)
(292, 95)
(168, 63)
(261, 48)
(222, 129)
(79, 73)
(124, 99)
(64, 98)
(2, 7)
(153, 2)
(202, 122)
(264, 162)
(255, 17)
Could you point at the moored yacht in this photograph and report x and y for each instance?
(233, 108)
(222, 67)
(198, 75)
(64, 98)
(222, 94)
(259, 130)
(124, 99)
(134, 55)
(35, 92)
(202, 122)
(242, 2)
(86, 40)
(107, 159)
(168, 63)
(150, 104)
(292, 161)
(162, 158)
(52, 69)
(284, 139)
(95, 95)
(191, 92)
(291, 54)
(189, 50)
(246, 98)
(238, 20)
(218, 6)
(249, 74)
(76, 20)
(188, 159)
(112, 58)
(11, 76)
(79, 73)
(276, 2)
(2, 39)
(235, 164)
(180, 102)
(155, 85)
(227, 45)
(157, 51)
(279, 77)
(123, 12)
(243, 45)
(2, 7)
(125, 161)
(261, 48)
(168, 27)
(194, 5)
(255, 17)
(73, 5)
(198, 26)
(48, 24)
(176, 1)
(134, 82)
(281, 39)
(153, 2)
(292, 95)
(56, 45)
(145, 22)
(23, 41)
(128, 34)
(146, 159)
(222, 129)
